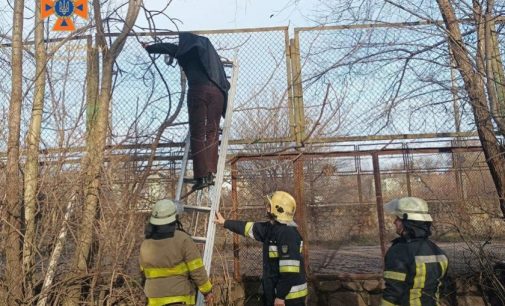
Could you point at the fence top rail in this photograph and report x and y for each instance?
(296, 155)
(203, 32)
(498, 19)
(50, 40)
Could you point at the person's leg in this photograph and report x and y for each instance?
(267, 288)
(295, 302)
(215, 104)
(197, 113)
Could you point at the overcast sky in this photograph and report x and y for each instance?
(230, 14)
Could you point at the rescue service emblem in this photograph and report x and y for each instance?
(64, 11)
(284, 249)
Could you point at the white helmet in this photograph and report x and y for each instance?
(164, 212)
(410, 208)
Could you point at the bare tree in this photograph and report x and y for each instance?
(31, 171)
(476, 73)
(12, 218)
(97, 134)
(408, 65)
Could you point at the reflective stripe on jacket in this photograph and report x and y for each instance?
(173, 267)
(414, 272)
(283, 267)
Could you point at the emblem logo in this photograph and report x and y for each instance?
(64, 10)
(284, 249)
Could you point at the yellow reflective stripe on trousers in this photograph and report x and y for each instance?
(164, 272)
(206, 287)
(297, 291)
(419, 280)
(248, 229)
(395, 275)
(386, 303)
(160, 301)
(195, 264)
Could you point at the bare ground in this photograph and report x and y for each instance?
(354, 259)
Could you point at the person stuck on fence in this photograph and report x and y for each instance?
(170, 260)
(283, 279)
(206, 99)
(415, 267)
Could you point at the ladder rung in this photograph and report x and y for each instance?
(199, 239)
(179, 123)
(200, 208)
(188, 180)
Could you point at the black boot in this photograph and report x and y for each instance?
(210, 179)
(201, 183)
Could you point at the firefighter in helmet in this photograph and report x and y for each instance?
(415, 267)
(171, 262)
(283, 279)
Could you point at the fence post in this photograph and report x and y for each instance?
(289, 79)
(357, 165)
(296, 70)
(406, 165)
(234, 214)
(300, 214)
(378, 197)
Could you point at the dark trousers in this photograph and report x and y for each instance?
(293, 302)
(205, 107)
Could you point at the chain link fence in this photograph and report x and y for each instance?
(63, 121)
(381, 80)
(357, 81)
(340, 196)
(147, 90)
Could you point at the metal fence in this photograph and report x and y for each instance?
(343, 194)
(325, 85)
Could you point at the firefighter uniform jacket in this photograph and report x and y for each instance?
(414, 272)
(172, 267)
(283, 268)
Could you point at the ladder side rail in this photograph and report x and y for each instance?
(215, 191)
(184, 165)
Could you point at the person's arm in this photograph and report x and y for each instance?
(290, 264)
(197, 271)
(395, 276)
(161, 48)
(254, 230)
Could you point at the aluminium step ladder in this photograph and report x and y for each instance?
(200, 206)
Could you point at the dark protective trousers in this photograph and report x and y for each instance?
(205, 107)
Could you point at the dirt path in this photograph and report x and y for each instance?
(368, 259)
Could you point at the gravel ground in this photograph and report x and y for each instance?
(368, 259)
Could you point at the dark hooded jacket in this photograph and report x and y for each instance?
(415, 268)
(194, 47)
(209, 58)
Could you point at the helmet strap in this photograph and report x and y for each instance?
(271, 216)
